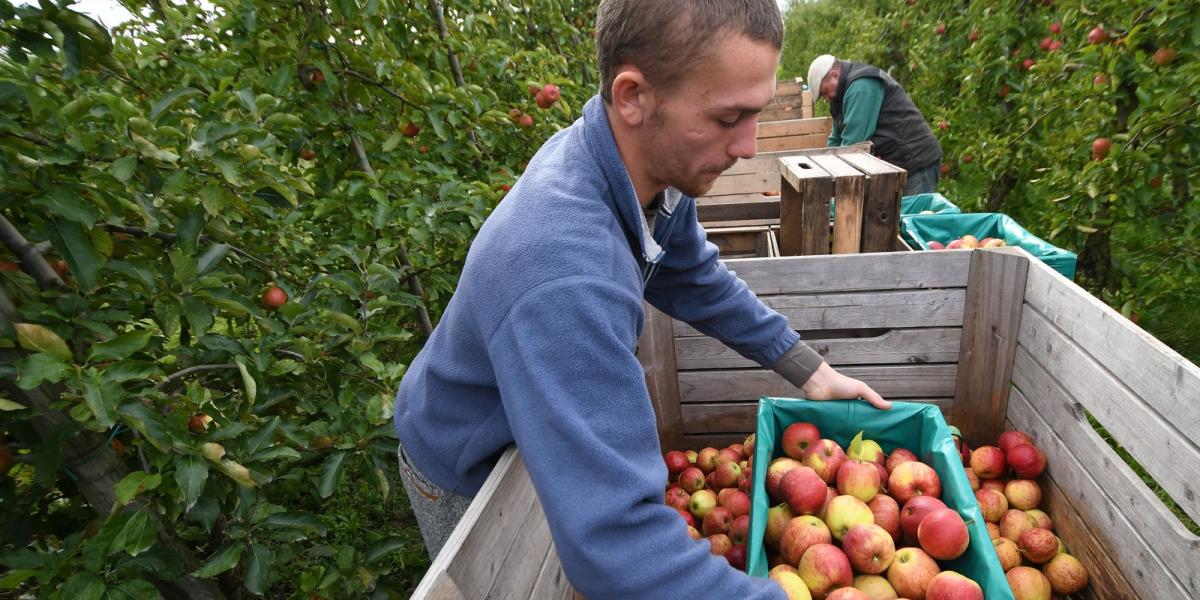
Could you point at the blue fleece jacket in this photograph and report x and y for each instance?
(537, 347)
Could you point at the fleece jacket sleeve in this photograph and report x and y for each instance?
(575, 398)
(864, 97)
(693, 286)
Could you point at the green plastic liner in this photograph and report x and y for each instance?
(915, 204)
(918, 427)
(919, 230)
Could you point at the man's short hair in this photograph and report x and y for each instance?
(667, 39)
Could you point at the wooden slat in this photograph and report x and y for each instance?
(552, 583)
(756, 224)
(991, 323)
(1168, 456)
(737, 417)
(441, 587)
(854, 272)
(1107, 581)
(768, 162)
(1158, 375)
(747, 183)
(715, 440)
(793, 142)
(1153, 549)
(656, 352)
(520, 569)
(738, 207)
(793, 127)
(788, 87)
(906, 381)
(735, 240)
(913, 346)
(804, 207)
(849, 194)
(888, 310)
(881, 206)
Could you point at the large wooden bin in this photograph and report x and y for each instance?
(995, 338)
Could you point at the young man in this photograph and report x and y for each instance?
(537, 345)
(867, 104)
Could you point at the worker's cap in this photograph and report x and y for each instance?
(818, 70)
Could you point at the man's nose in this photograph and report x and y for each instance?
(745, 142)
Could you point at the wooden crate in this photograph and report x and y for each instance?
(791, 101)
(994, 338)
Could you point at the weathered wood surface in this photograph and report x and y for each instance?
(912, 346)
(740, 417)
(656, 351)
(793, 142)
(1107, 581)
(991, 324)
(765, 181)
(551, 581)
(519, 573)
(891, 381)
(1157, 375)
(849, 192)
(1155, 550)
(791, 127)
(716, 440)
(854, 272)
(881, 204)
(1167, 455)
(804, 207)
(732, 240)
(906, 308)
(737, 207)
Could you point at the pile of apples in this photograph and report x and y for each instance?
(711, 491)
(968, 242)
(1034, 559)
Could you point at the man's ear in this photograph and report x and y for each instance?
(633, 97)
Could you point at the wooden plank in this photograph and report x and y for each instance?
(746, 224)
(881, 205)
(804, 207)
(793, 142)
(441, 587)
(1156, 553)
(888, 310)
(792, 127)
(903, 346)
(1106, 580)
(849, 194)
(788, 87)
(656, 352)
(737, 207)
(714, 440)
(747, 183)
(520, 569)
(806, 102)
(552, 583)
(1167, 455)
(736, 417)
(854, 272)
(1158, 375)
(991, 323)
(768, 162)
(763, 246)
(891, 381)
(733, 240)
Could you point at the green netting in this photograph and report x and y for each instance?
(918, 427)
(919, 230)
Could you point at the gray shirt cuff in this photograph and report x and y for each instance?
(798, 364)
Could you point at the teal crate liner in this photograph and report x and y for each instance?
(918, 427)
(919, 230)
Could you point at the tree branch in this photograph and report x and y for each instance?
(363, 77)
(170, 239)
(196, 369)
(31, 259)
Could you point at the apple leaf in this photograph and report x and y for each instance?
(856, 446)
(223, 560)
(36, 338)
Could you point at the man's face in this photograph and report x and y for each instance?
(828, 89)
(710, 120)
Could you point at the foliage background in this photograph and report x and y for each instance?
(175, 170)
(1134, 217)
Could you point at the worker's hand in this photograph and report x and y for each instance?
(827, 384)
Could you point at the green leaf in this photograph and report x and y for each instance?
(135, 589)
(83, 586)
(393, 141)
(230, 170)
(263, 437)
(138, 534)
(130, 370)
(75, 245)
(123, 168)
(198, 313)
(246, 97)
(135, 483)
(148, 423)
(35, 369)
(122, 346)
(147, 148)
(101, 398)
(296, 520)
(188, 231)
(856, 445)
(212, 257)
(169, 101)
(36, 338)
(283, 120)
(69, 206)
(70, 51)
(258, 568)
(248, 382)
(7, 405)
(331, 471)
(222, 560)
(383, 547)
(191, 474)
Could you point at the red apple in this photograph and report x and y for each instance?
(702, 502)
(993, 484)
(739, 530)
(988, 462)
(727, 474)
(1163, 56)
(934, 244)
(1056, 28)
(706, 459)
(1012, 438)
(914, 510)
(825, 568)
(859, 479)
(868, 451)
(973, 36)
(1038, 545)
(1026, 460)
(992, 504)
(972, 478)
(778, 517)
(1097, 35)
(411, 130)
(803, 490)
(1028, 583)
(694, 533)
(1008, 552)
(940, 29)
(737, 556)
(994, 531)
(1055, 46)
(899, 455)
(729, 453)
(775, 472)
(748, 446)
(911, 572)
(717, 521)
(687, 517)
(719, 543)
(1041, 518)
(943, 534)
(911, 479)
(274, 298)
(1099, 79)
(1015, 522)
(825, 457)
(678, 498)
(788, 578)
(1023, 494)
(798, 438)
(847, 593)
(691, 480)
(1066, 574)
(845, 512)
(676, 462)
(1045, 43)
(737, 501)
(869, 547)
(887, 514)
(800, 534)
(525, 121)
(949, 585)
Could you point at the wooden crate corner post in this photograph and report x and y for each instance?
(804, 207)
(656, 352)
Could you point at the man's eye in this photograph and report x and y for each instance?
(728, 124)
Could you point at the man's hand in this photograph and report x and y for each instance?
(827, 384)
